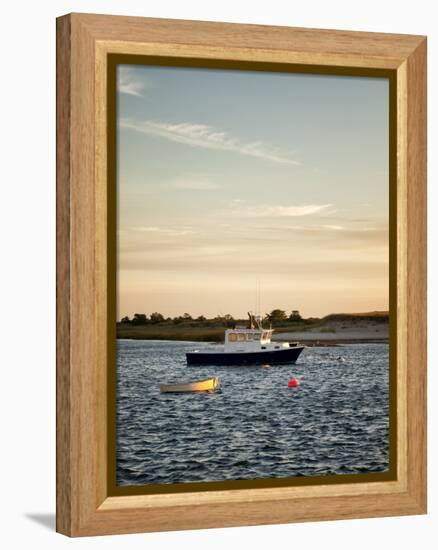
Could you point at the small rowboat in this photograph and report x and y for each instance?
(208, 385)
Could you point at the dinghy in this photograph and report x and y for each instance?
(208, 385)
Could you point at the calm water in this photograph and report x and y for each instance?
(255, 427)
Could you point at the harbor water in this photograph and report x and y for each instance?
(255, 427)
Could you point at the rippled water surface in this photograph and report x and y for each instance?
(255, 427)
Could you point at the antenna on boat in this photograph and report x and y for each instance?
(255, 316)
(257, 298)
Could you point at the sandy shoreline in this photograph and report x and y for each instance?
(340, 333)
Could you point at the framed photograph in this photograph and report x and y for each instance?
(241, 274)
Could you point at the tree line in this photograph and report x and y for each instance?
(276, 316)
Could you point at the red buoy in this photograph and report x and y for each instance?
(293, 383)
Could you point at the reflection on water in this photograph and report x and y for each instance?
(255, 427)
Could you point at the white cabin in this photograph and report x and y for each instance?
(249, 340)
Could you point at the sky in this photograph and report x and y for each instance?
(229, 181)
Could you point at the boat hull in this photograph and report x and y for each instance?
(287, 355)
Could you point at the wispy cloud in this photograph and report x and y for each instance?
(344, 228)
(128, 82)
(334, 227)
(281, 211)
(343, 237)
(146, 228)
(206, 137)
(167, 231)
(195, 185)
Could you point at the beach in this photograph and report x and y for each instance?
(341, 332)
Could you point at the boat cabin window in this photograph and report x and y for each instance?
(256, 336)
(232, 337)
(241, 337)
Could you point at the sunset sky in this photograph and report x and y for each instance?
(229, 179)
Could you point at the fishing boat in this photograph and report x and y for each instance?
(247, 345)
(208, 385)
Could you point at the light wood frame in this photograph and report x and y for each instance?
(83, 504)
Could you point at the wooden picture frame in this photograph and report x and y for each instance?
(84, 505)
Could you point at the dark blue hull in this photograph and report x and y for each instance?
(287, 355)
